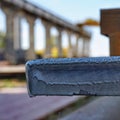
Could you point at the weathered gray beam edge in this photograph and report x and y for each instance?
(74, 76)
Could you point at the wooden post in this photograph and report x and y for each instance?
(110, 26)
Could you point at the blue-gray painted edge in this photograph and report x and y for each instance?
(74, 76)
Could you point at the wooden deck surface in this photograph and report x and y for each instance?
(18, 105)
(15, 104)
(7, 70)
(103, 108)
(11, 69)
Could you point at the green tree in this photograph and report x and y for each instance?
(91, 22)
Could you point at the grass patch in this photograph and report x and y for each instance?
(5, 83)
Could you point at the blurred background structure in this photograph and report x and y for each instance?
(29, 31)
(13, 49)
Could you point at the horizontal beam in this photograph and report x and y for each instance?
(74, 76)
(40, 12)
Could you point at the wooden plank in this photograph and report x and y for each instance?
(103, 108)
(110, 21)
(12, 69)
(21, 106)
(74, 76)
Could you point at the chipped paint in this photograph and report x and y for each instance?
(74, 76)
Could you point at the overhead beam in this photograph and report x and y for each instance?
(110, 21)
(110, 26)
(39, 11)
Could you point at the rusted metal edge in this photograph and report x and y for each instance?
(74, 76)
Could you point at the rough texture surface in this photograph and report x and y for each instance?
(74, 76)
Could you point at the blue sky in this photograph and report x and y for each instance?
(76, 11)
(79, 10)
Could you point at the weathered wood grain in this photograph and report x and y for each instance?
(74, 76)
(110, 21)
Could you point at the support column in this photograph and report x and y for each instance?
(84, 48)
(115, 44)
(47, 39)
(17, 35)
(76, 45)
(60, 52)
(80, 47)
(88, 47)
(31, 50)
(110, 26)
(9, 41)
(70, 54)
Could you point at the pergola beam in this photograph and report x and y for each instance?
(74, 76)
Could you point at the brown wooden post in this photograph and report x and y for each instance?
(110, 26)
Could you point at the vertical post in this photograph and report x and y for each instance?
(17, 35)
(115, 44)
(76, 45)
(81, 49)
(31, 51)
(47, 39)
(88, 47)
(110, 26)
(60, 42)
(9, 47)
(70, 54)
(84, 47)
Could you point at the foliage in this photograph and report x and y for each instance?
(54, 52)
(12, 83)
(40, 52)
(2, 38)
(91, 22)
(65, 52)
